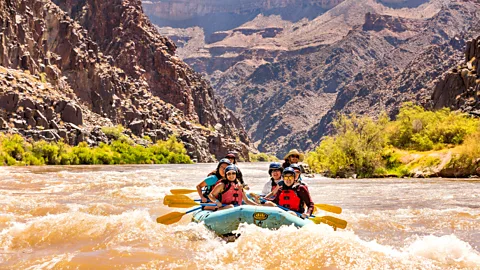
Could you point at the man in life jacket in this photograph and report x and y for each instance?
(205, 187)
(275, 172)
(298, 173)
(293, 196)
(229, 192)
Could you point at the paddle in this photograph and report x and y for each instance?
(174, 217)
(325, 207)
(182, 191)
(332, 221)
(329, 208)
(179, 201)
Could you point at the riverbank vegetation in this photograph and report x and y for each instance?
(418, 143)
(14, 150)
(262, 157)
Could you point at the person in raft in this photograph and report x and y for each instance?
(228, 192)
(275, 172)
(233, 159)
(292, 157)
(205, 187)
(294, 197)
(298, 173)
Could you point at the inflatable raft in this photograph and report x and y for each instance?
(226, 221)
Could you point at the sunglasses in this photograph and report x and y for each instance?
(295, 156)
(289, 177)
(231, 173)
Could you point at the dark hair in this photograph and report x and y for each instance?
(286, 163)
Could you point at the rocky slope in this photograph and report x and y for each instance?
(288, 79)
(70, 67)
(437, 48)
(459, 88)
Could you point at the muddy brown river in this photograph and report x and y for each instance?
(103, 217)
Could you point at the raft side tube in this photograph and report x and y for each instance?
(226, 221)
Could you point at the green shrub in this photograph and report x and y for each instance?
(418, 129)
(355, 148)
(367, 147)
(14, 150)
(262, 157)
(114, 132)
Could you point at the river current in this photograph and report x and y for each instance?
(103, 217)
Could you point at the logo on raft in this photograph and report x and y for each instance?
(260, 216)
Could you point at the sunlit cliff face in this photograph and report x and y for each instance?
(184, 10)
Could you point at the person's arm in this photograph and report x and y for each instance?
(199, 190)
(274, 192)
(214, 194)
(307, 199)
(247, 200)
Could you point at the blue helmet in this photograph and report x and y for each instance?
(296, 166)
(224, 160)
(231, 168)
(274, 166)
(288, 170)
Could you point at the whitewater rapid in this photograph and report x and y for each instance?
(103, 217)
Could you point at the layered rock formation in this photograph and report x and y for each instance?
(287, 80)
(219, 15)
(181, 10)
(103, 63)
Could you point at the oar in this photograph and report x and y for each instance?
(329, 220)
(325, 207)
(182, 191)
(180, 201)
(329, 208)
(174, 217)
(332, 221)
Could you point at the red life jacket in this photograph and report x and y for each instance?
(232, 193)
(289, 198)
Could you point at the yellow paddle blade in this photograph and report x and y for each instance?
(329, 208)
(170, 218)
(332, 221)
(183, 204)
(182, 191)
(168, 198)
(179, 201)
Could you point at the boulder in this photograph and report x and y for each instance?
(137, 127)
(9, 101)
(72, 114)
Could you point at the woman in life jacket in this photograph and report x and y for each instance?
(228, 191)
(275, 172)
(233, 159)
(205, 187)
(293, 196)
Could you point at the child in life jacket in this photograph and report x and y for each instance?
(295, 197)
(229, 191)
(205, 187)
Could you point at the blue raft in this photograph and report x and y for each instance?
(226, 221)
